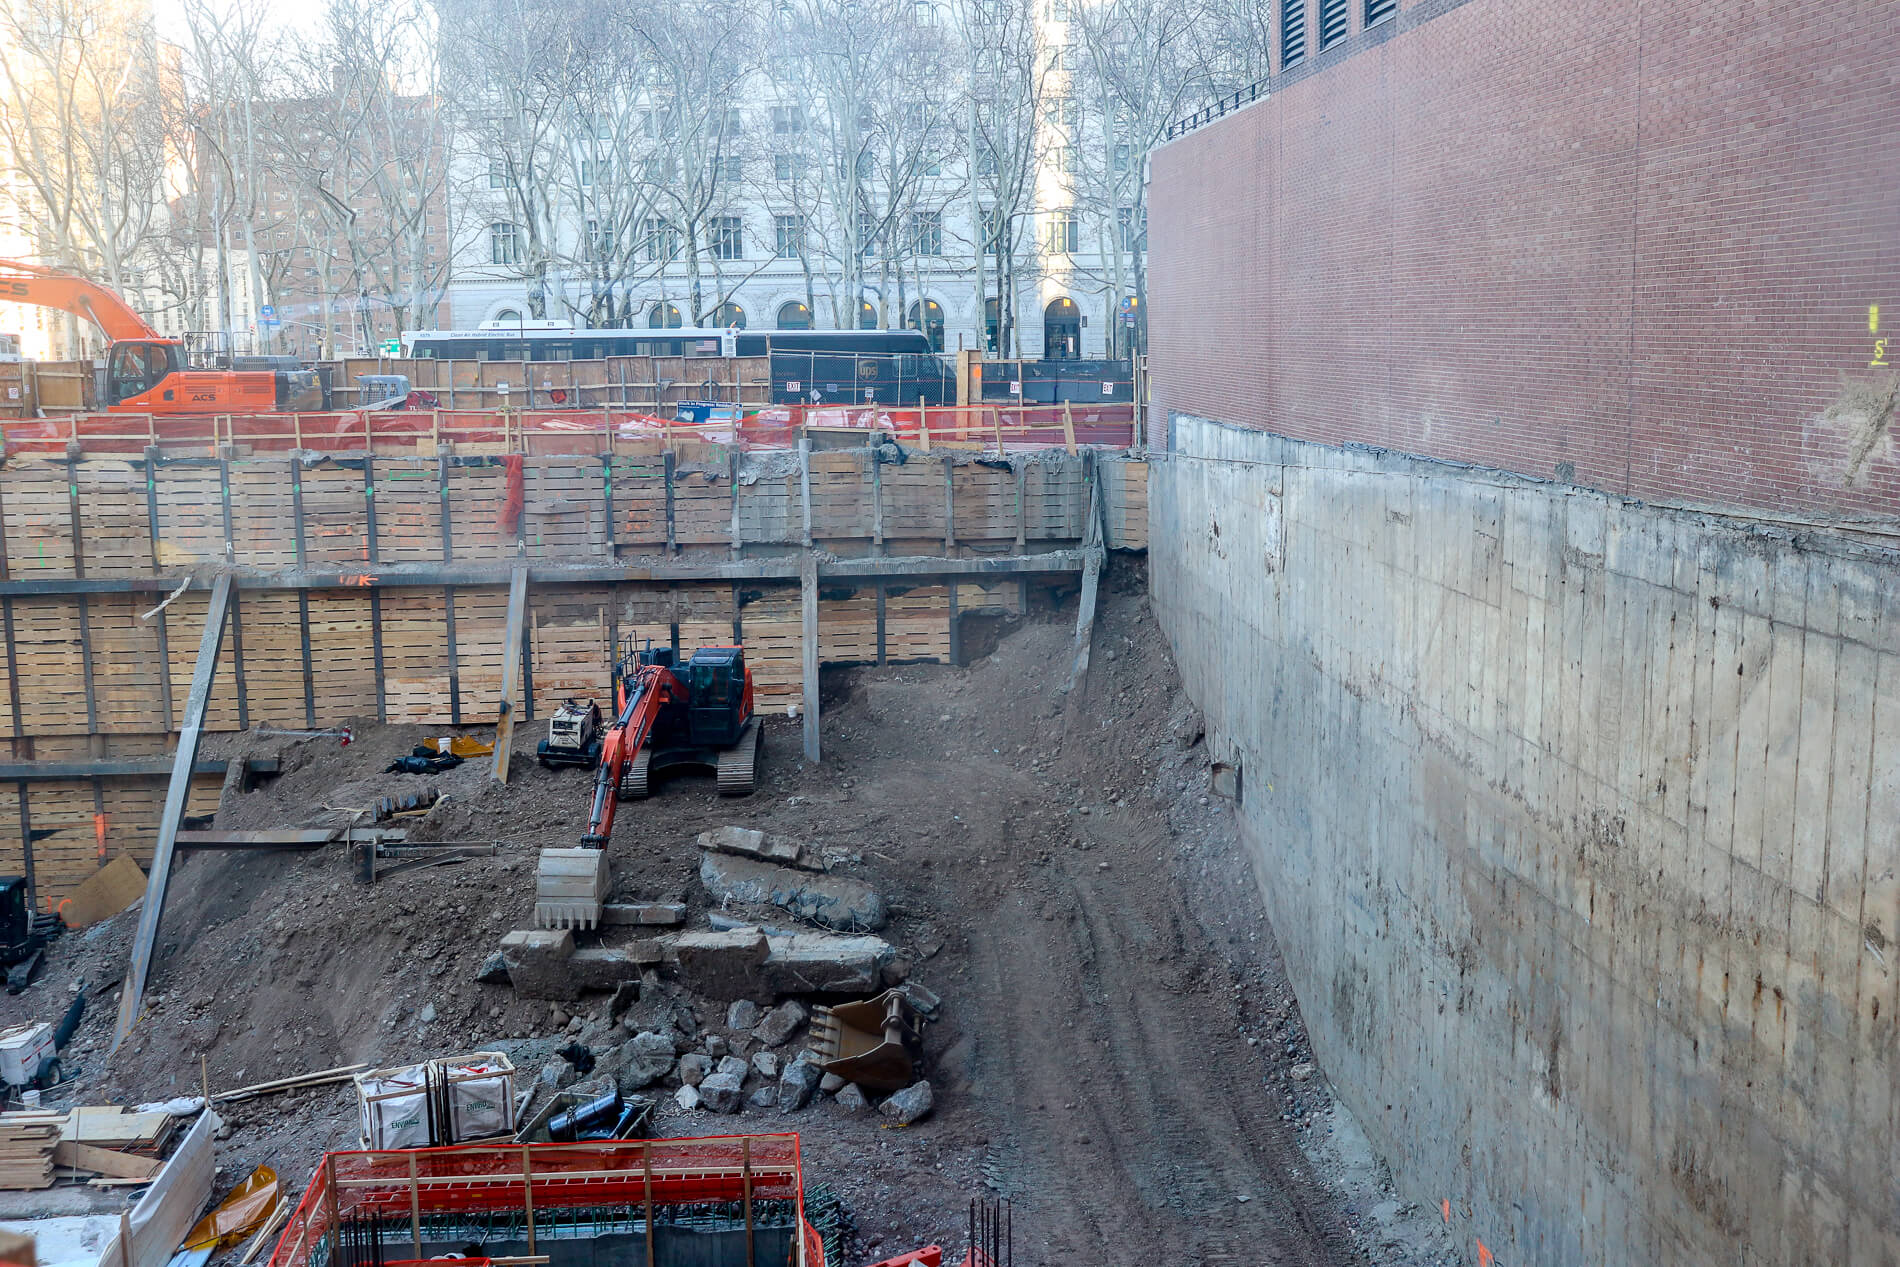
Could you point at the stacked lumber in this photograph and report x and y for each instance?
(840, 495)
(984, 503)
(563, 512)
(408, 505)
(1125, 486)
(27, 1141)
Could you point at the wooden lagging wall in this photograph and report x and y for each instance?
(94, 675)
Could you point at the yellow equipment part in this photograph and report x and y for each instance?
(872, 1043)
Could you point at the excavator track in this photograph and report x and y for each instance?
(633, 780)
(739, 764)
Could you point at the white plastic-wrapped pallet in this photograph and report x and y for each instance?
(481, 1096)
(395, 1104)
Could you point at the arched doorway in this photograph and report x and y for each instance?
(727, 314)
(794, 316)
(665, 317)
(867, 315)
(929, 320)
(1061, 330)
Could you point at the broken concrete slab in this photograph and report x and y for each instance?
(830, 901)
(694, 1068)
(780, 1023)
(742, 1015)
(536, 959)
(796, 1083)
(850, 1099)
(609, 967)
(494, 970)
(645, 1059)
(766, 1097)
(722, 1093)
(734, 1066)
(910, 1104)
(826, 963)
(643, 914)
(766, 1063)
(723, 965)
(745, 843)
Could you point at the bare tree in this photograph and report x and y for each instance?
(1010, 67)
(82, 131)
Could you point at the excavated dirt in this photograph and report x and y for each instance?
(1119, 1053)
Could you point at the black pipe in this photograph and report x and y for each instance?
(566, 1127)
(70, 1023)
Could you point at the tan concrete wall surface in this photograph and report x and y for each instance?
(1576, 820)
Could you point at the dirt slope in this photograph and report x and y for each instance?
(1117, 1038)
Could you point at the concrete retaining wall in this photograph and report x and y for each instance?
(1576, 820)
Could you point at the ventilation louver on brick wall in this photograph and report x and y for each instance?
(1292, 32)
(1379, 10)
(1332, 22)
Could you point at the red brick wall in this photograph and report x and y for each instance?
(1528, 234)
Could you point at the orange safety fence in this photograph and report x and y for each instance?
(995, 428)
(413, 1184)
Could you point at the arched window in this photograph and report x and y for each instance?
(867, 315)
(507, 314)
(794, 316)
(1061, 330)
(728, 314)
(664, 317)
(927, 315)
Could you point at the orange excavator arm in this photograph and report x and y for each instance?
(23, 283)
(650, 689)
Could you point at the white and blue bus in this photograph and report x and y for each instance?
(826, 367)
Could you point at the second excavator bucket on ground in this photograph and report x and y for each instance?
(873, 1043)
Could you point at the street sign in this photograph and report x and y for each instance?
(267, 311)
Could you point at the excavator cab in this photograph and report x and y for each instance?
(716, 681)
(136, 367)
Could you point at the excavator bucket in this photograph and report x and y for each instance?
(873, 1043)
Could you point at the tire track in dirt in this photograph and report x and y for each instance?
(1140, 1118)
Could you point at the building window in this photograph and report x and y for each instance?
(790, 234)
(728, 167)
(732, 121)
(1065, 233)
(600, 239)
(867, 234)
(728, 238)
(662, 240)
(1292, 32)
(662, 171)
(1131, 229)
(784, 166)
(985, 161)
(728, 314)
(788, 120)
(504, 244)
(926, 232)
(498, 173)
(1123, 160)
(1332, 22)
(1059, 10)
(1380, 10)
(665, 317)
(994, 224)
(593, 172)
(794, 316)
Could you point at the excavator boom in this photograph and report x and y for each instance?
(24, 283)
(648, 690)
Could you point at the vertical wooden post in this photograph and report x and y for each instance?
(1068, 428)
(996, 417)
(510, 671)
(527, 1194)
(923, 427)
(745, 1162)
(646, 1180)
(804, 482)
(808, 596)
(949, 503)
(415, 1194)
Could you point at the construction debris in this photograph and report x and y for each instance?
(908, 1105)
(873, 1043)
(27, 1143)
(746, 843)
(833, 902)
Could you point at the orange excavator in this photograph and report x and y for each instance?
(150, 374)
(698, 713)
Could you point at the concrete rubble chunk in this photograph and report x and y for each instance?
(830, 901)
(557, 1073)
(722, 965)
(694, 1066)
(536, 959)
(796, 1083)
(908, 1105)
(831, 1084)
(643, 914)
(1303, 1071)
(722, 1093)
(715, 1045)
(780, 1023)
(645, 1058)
(745, 843)
(734, 1066)
(766, 1097)
(610, 967)
(852, 1100)
(742, 1015)
(687, 1098)
(494, 970)
(766, 1063)
(827, 963)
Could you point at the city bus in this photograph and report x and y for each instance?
(825, 367)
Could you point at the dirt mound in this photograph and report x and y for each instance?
(1117, 1037)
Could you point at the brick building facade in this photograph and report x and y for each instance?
(1651, 249)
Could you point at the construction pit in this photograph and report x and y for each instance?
(1015, 807)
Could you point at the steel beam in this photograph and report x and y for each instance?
(808, 646)
(132, 997)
